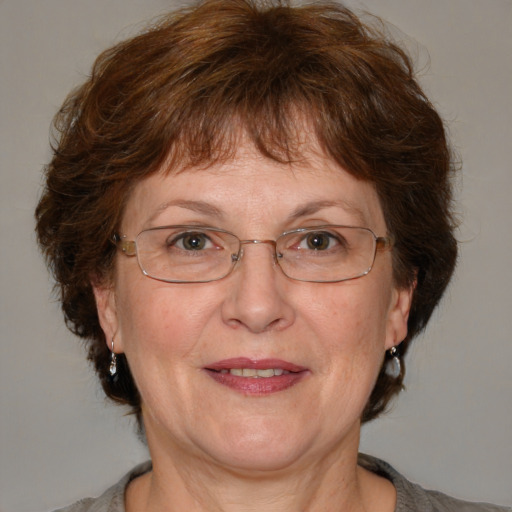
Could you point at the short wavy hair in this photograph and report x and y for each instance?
(178, 95)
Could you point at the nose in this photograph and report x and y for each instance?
(257, 299)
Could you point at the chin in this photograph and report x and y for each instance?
(261, 460)
(259, 447)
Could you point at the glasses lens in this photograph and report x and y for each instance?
(326, 253)
(186, 253)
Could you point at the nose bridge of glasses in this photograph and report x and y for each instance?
(246, 242)
(258, 242)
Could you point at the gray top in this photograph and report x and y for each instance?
(410, 497)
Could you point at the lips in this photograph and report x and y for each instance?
(256, 374)
(256, 377)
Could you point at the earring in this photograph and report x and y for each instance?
(113, 361)
(394, 366)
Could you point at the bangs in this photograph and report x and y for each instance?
(285, 135)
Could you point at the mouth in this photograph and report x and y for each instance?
(256, 377)
(252, 373)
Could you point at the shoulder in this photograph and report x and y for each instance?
(443, 503)
(411, 497)
(112, 500)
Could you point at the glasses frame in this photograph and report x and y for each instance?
(129, 248)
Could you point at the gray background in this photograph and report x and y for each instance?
(451, 429)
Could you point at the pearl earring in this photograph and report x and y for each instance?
(394, 366)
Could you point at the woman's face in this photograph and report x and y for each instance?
(176, 335)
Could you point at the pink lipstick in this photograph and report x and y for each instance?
(256, 376)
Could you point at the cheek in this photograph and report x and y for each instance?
(348, 313)
(349, 330)
(349, 322)
(157, 318)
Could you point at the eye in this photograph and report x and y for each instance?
(319, 241)
(190, 241)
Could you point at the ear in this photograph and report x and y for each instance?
(398, 315)
(107, 312)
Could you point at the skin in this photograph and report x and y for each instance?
(215, 448)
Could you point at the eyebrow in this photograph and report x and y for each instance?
(310, 208)
(315, 206)
(195, 206)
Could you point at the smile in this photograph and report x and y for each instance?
(256, 377)
(254, 373)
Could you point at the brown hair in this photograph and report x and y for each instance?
(178, 94)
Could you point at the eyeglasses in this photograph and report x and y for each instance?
(197, 254)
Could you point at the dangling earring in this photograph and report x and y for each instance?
(113, 361)
(394, 366)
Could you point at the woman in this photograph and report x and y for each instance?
(248, 213)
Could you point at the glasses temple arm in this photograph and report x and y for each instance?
(127, 246)
(385, 242)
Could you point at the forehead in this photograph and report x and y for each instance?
(252, 189)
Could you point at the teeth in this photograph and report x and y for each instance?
(255, 374)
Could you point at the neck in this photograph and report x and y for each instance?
(181, 481)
